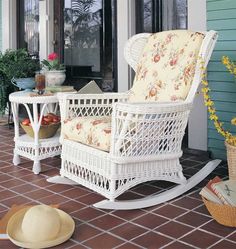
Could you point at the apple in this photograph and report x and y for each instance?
(48, 119)
(44, 122)
(56, 120)
(26, 121)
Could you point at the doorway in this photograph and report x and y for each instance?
(84, 38)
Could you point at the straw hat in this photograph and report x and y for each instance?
(40, 226)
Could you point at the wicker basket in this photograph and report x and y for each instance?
(231, 158)
(45, 131)
(223, 214)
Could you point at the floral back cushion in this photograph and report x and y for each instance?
(166, 67)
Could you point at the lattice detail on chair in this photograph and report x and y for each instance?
(139, 134)
(122, 182)
(92, 107)
(87, 167)
(90, 177)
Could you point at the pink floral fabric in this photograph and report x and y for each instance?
(167, 65)
(93, 131)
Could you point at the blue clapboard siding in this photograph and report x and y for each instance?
(221, 16)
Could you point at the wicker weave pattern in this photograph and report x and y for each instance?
(77, 105)
(36, 148)
(223, 214)
(231, 158)
(95, 170)
(48, 148)
(148, 130)
(145, 140)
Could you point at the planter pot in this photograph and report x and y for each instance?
(26, 84)
(231, 159)
(55, 78)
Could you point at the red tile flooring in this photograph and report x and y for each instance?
(180, 223)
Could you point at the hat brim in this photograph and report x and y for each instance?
(16, 235)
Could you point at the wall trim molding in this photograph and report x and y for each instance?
(9, 26)
(125, 29)
(46, 28)
(197, 126)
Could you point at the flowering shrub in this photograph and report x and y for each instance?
(230, 138)
(52, 63)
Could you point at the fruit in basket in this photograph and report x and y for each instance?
(26, 121)
(49, 126)
(51, 118)
(47, 119)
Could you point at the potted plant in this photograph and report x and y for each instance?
(230, 138)
(54, 71)
(14, 64)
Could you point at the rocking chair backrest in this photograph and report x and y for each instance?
(167, 63)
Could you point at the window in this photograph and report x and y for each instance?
(28, 20)
(174, 14)
(158, 15)
(83, 36)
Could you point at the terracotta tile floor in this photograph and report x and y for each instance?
(180, 223)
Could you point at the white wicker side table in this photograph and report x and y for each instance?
(34, 148)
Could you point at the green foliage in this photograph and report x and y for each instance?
(17, 64)
(53, 65)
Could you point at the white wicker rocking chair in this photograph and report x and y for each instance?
(145, 142)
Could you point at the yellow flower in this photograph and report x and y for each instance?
(225, 60)
(204, 82)
(233, 121)
(210, 104)
(211, 110)
(205, 89)
(213, 117)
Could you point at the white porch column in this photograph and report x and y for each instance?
(197, 129)
(45, 28)
(9, 26)
(125, 29)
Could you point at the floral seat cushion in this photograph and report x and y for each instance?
(93, 131)
(166, 67)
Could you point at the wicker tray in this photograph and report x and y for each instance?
(45, 131)
(223, 214)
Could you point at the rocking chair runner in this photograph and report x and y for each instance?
(146, 133)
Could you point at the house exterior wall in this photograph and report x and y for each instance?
(221, 16)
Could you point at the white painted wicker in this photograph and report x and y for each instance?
(145, 142)
(34, 148)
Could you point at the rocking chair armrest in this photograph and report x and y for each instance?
(140, 125)
(152, 107)
(74, 104)
(83, 96)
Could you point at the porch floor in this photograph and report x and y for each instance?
(181, 223)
